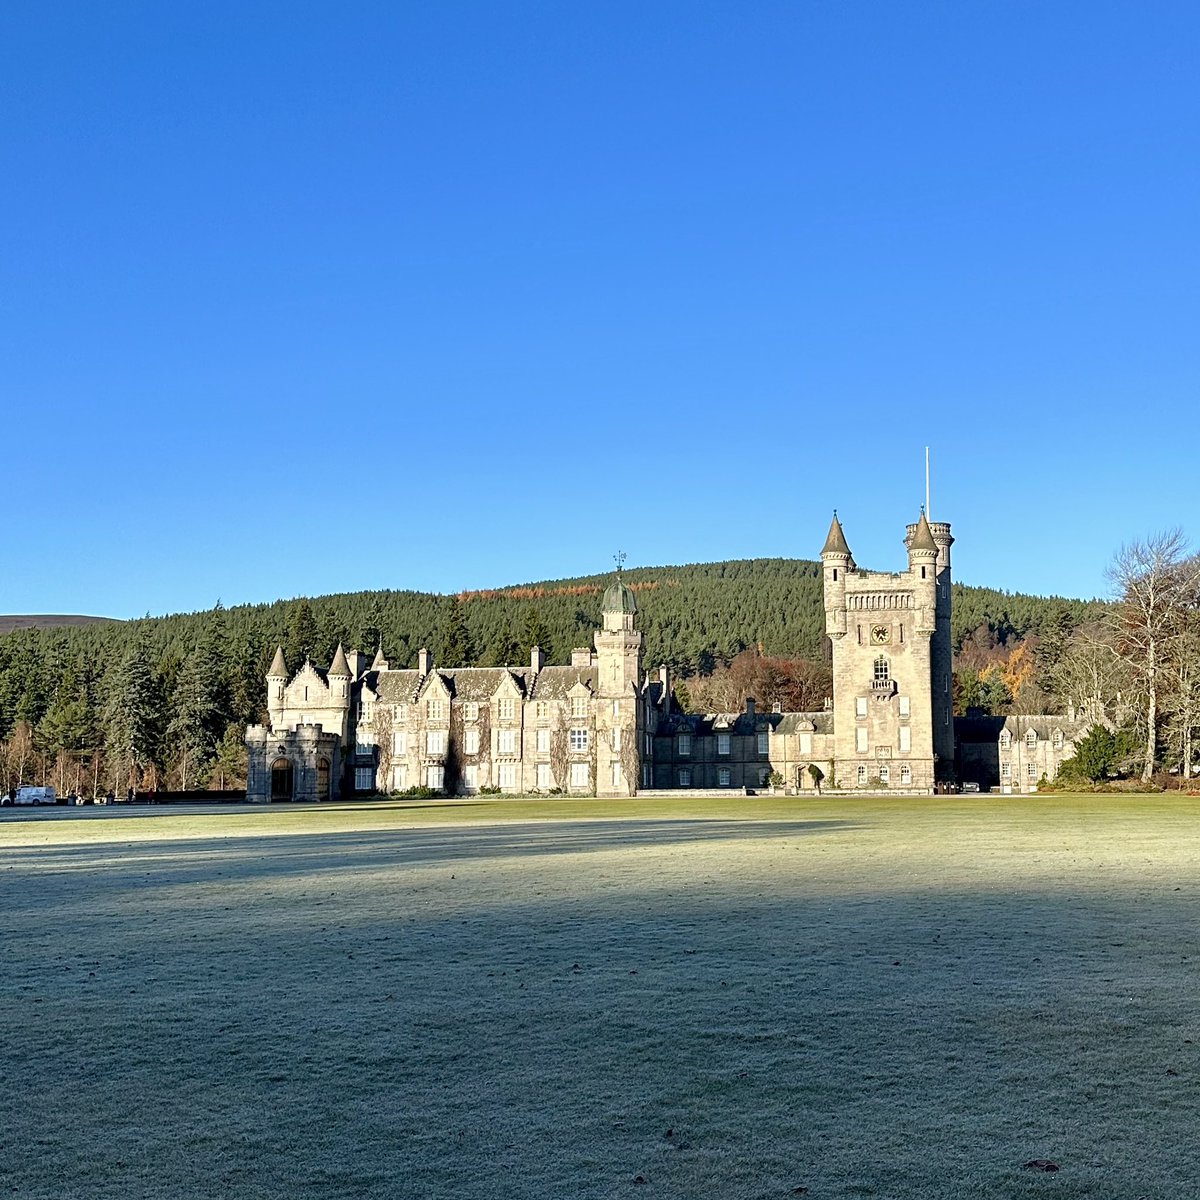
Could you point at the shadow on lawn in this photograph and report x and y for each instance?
(250, 857)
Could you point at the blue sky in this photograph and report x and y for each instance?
(304, 298)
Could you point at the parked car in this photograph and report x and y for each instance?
(36, 795)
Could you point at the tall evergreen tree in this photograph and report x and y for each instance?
(303, 635)
(199, 712)
(536, 633)
(133, 717)
(455, 647)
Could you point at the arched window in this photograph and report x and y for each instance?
(282, 779)
(881, 670)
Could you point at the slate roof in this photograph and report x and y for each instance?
(923, 538)
(339, 666)
(835, 542)
(555, 683)
(822, 722)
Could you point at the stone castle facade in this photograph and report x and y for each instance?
(603, 726)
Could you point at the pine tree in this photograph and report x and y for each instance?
(455, 649)
(199, 712)
(303, 635)
(132, 718)
(535, 633)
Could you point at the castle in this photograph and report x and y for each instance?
(603, 726)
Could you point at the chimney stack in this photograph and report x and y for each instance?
(751, 704)
(537, 660)
(424, 661)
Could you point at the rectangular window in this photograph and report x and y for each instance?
(580, 775)
(471, 741)
(435, 710)
(578, 739)
(506, 708)
(905, 739)
(1058, 739)
(401, 712)
(541, 710)
(685, 745)
(544, 783)
(905, 776)
(722, 743)
(685, 777)
(543, 741)
(508, 777)
(860, 740)
(764, 743)
(616, 773)
(364, 779)
(862, 776)
(616, 710)
(400, 777)
(806, 743)
(1031, 770)
(616, 739)
(579, 706)
(434, 777)
(471, 711)
(471, 777)
(506, 741)
(364, 748)
(905, 706)
(860, 706)
(435, 741)
(399, 742)
(1006, 770)
(723, 777)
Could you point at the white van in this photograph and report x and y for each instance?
(36, 795)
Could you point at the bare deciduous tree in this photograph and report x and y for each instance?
(1155, 582)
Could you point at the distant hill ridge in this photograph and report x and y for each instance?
(48, 621)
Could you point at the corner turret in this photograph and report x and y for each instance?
(836, 561)
(339, 678)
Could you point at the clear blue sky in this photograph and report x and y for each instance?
(305, 298)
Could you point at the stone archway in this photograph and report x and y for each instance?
(322, 779)
(283, 780)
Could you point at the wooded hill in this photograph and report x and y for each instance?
(694, 618)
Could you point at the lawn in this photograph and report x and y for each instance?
(723, 997)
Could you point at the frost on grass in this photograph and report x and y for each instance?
(901, 999)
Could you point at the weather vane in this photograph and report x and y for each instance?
(619, 558)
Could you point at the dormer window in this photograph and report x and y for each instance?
(506, 709)
(1031, 740)
(1058, 739)
(1005, 740)
(579, 706)
(435, 710)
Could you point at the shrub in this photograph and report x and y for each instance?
(489, 791)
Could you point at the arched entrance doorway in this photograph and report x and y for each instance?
(322, 779)
(282, 779)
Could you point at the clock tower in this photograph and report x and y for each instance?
(890, 632)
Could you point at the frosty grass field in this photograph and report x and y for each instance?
(720, 998)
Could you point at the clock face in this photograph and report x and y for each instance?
(880, 635)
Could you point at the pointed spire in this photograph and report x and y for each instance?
(278, 667)
(339, 666)
(835, 543)
(923, 537)
(379, 663)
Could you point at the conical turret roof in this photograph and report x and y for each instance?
(379, 663)
(923, 538)
(278, 667)
(835, 543)
(339, 666)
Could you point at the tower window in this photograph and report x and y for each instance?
(922, 572)
(881, 670)
(835, 574)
